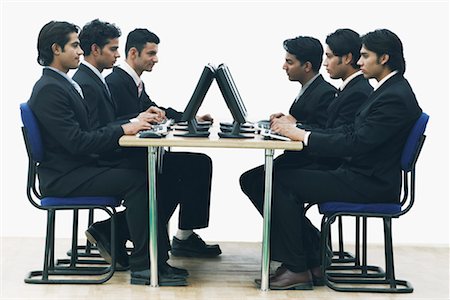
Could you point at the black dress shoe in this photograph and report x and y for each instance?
(143, 278)
(102, 241)
(289, 280)
(281, 269)
(168, 270)
(194, 246)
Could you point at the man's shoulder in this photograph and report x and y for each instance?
(82, 75)
(117, 75)
(358, 85)
(324, 86)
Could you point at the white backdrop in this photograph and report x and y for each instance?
(248, 37)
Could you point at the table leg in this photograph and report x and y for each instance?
(153, 215)
(265, 260)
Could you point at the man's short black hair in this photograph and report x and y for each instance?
(138, 38)
(384, 41)
(305, 48)
(54, 32)
(99, 33)
(345, 41)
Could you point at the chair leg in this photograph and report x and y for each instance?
(341, 256)
(51, 274)
(357, 269)
(78, 253)
(363, 283)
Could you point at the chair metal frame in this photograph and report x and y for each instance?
(52, 272)
(364, 282)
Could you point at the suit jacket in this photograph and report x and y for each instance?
(311, 107)
(125, 96)
(374, 142)
(68, 141)
(100, 104)
(341, 112)
(343, 108)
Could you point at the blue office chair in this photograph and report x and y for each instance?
(331, 210)
(51, 272)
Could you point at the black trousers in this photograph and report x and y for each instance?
(185, 180)
(131, 186)
(294, 240)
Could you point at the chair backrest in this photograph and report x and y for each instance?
(32, 132)
(414, 143)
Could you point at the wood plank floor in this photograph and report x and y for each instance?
(228, 277)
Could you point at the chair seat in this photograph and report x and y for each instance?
(87, 200)
(329, 208)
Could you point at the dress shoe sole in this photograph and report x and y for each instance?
(298, 286)
(104, 253)
(145, 281)
(101, 249)
(186, 253)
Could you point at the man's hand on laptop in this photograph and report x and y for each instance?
(156, 110)
(205, 118)
(289, 130)
(135, 127)
(275, 116)
(289, 119)
(150, 117)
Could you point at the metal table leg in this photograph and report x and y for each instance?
(153, 215)
(265, 260)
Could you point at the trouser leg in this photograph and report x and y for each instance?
(186, 179)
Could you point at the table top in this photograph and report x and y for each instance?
(213, 141)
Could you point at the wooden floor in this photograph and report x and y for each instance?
(228, 277)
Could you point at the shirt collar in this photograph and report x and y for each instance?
(385, 79)
(349, 78)
(60, 73)
(130, 71)
(95, 70)
(306, 85)
(70, 80)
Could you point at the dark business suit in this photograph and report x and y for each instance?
(311, 110)
(125, 95)
(311, 107)
(100, 104)
(70, 166)
(344, 106)
(373, 144)
(186, 177)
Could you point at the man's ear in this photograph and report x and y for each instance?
(347, 58)
(308, 66)
(56, 49)
(133, 52)
(384, 59)
(95, 49)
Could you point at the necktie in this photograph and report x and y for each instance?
(140, 88)
(77, 87)
(107, 89)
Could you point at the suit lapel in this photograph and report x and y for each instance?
(70, 88)
(97, 80)
(374, 95)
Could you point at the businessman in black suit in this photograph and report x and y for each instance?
(188, 174)
(373, 145)
(303, 60)
(100, 42)
(70, 166)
